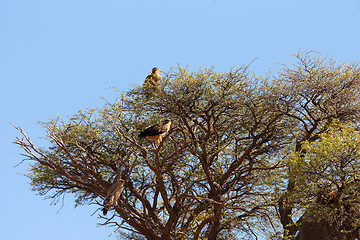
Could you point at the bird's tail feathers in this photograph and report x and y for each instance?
(105, 210)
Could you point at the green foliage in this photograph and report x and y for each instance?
(218, 173)
(328, 182)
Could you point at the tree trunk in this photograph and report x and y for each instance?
(322, 230)
(285, 212)
(317, 230)
(215, 229)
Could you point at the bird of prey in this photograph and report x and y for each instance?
(113, 195)
(154, 78)
(156, 132)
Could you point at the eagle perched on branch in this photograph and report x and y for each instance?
(154, 78)
(156, 132)
(113, 195)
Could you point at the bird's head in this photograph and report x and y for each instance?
(155, 69)
(167, 121)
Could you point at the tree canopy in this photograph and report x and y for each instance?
(246, 155)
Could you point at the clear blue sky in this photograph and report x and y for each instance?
(57, 57)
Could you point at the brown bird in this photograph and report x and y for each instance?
(113, 195)
(156, 132)
(154, 78)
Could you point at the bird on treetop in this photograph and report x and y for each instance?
(154, 77)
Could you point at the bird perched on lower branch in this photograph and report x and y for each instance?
(156, 132)
(113, 195)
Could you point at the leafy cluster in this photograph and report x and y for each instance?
(328, 178)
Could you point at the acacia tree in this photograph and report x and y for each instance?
(313, 93)
(328, 184)
(217, 173)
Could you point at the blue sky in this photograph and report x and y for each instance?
(57, 57)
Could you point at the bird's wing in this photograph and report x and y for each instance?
(152, 131)
(150, 78)
(115, 189)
